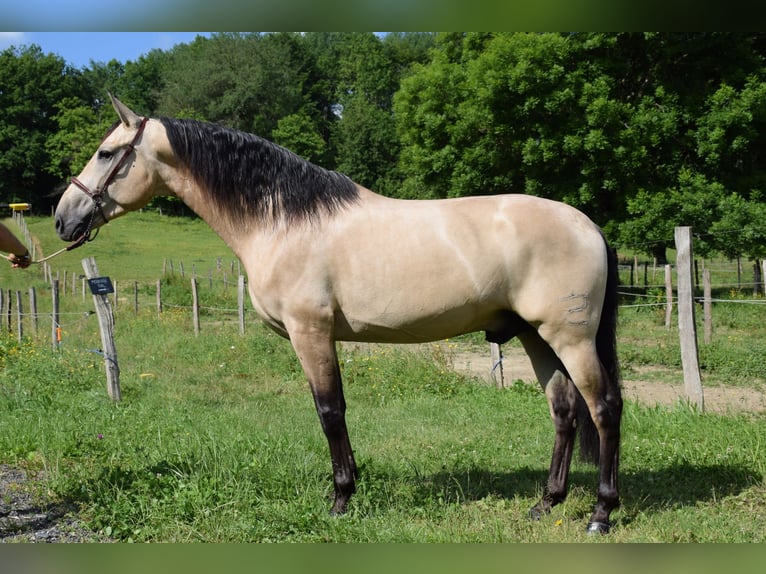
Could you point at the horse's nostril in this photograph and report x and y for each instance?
(61, 228)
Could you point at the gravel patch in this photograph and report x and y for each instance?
(26, 516)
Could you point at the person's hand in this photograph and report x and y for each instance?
(20, 261)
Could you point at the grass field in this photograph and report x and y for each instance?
(216, 438)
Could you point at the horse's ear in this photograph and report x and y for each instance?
(127, 116)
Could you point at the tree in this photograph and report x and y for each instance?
(740, 229)
(31, 84)
(358, 74)
(79, 133)
(731, 135)
(298, 133)
(425, 108)
(245, 81)
(143, 81)
(693, 201)
(367, 145)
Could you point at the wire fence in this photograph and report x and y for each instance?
(172, 292)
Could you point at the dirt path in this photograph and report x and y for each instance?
(640, 386)
(650, 386)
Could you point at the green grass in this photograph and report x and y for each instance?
(216, 438)
(135, 248)
(733, 357)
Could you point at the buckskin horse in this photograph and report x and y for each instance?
(329, 260)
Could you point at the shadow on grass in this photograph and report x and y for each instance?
(640, 491)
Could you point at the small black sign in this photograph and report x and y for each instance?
(100, 285)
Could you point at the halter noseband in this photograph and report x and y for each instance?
(98, 195)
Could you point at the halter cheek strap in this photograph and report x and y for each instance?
(99, 193)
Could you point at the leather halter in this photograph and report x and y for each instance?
(100, 192)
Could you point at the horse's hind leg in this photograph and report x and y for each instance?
(562, 402)
(319, 360)
(604, 401)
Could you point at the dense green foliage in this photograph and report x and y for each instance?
(642, 131)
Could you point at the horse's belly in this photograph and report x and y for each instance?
(408, 326)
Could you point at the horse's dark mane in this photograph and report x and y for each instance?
(248, 176)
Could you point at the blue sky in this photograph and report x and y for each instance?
(79, 48)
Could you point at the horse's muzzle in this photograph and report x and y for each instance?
(67, 231)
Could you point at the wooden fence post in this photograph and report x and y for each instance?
(668, 295)
(646, 273)
(496, 371)
(708, 305)
(739, 273)
(686, 323)
(33, 308)
(159, 298)
(19, 317)
(55, 326)
(106, 324)
(241, 303)
(8, 314)
(195, 305)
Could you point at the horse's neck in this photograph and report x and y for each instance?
(200, 202)
(242, 235)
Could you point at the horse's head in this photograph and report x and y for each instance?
(120, 177)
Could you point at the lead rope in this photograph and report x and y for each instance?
(69, 247)
(84, 238)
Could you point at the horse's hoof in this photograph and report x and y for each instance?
(598, 527)
(338, 510)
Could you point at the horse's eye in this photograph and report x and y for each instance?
(104, 154)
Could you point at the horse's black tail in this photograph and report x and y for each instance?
(606, 346)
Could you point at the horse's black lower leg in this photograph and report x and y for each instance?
(332, 417)
(562, 399)
(608, 415)
(318, 357)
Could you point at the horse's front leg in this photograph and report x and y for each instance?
(319, 359)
